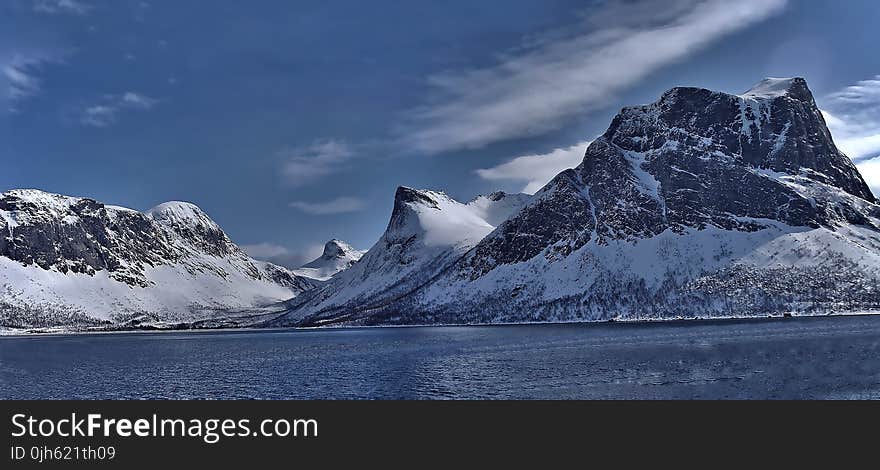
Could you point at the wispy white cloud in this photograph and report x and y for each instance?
(307, 164)
(19, 76)
(99, 116)
(54, 7)
(536, 170)
(137, 100)
(853, 115)
(870, 170)
(106, 113)
(265, 250)
(20, 82)
(282, 255)
(541, 85)
(339, 205)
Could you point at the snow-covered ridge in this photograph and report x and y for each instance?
(440, 220)
(337, 256)
(770, 88)
(181, 213)
(69, 260)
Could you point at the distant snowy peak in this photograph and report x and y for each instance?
(337, 256)
(339, 249)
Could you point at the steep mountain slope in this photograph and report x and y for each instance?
(427, 232)
(700, 204)
(75, 261)
(337, 256)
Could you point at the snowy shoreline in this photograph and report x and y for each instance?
(6, 332)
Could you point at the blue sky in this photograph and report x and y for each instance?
(291, 123)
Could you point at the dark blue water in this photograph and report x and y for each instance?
(787, 358)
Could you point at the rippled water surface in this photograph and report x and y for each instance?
(835, 357)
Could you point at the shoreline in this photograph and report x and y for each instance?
(12, 333)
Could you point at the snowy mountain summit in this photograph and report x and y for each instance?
(337, 256)
(77, 262)
(701, 204)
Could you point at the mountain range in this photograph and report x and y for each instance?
(67, 261)
(701, 204)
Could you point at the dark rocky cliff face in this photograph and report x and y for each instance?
(81, 235)
(694, 158)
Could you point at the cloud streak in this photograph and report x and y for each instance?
(19, 81)
(305, 165)
(55, 7)
(283, 256)
(18, 77)
(106, 113)
(536, 170)
(540, 86)
(340, 205)
(853, 115)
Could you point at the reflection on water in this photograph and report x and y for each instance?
(792, 358)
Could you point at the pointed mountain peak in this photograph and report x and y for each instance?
(338, 249)
(496, 196)
(405, 194)
(337, 256)
(408, 201)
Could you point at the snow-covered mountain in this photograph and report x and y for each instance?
(700, 204)
(337, 256)
(427, 232)
(75, 261)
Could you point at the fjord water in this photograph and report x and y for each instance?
(828, 357)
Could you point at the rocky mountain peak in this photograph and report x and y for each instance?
(193, 224)
(693, 159)
(337, 249)
(774, 126)
(407, 202)
(496, 196)
(406, 195)
(337, 257)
